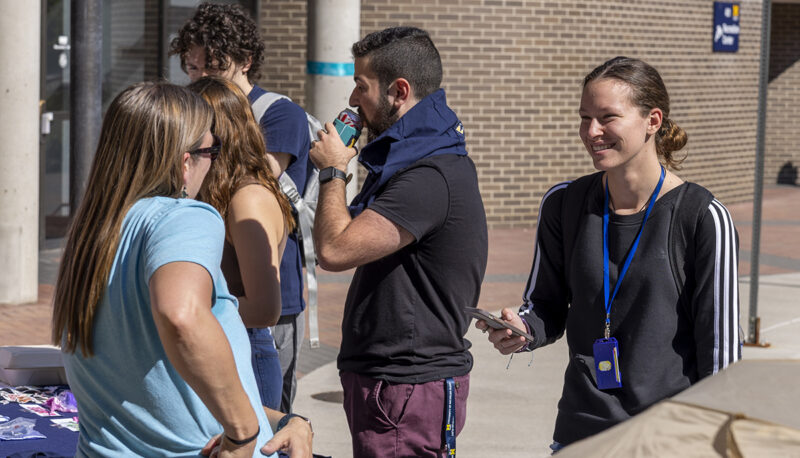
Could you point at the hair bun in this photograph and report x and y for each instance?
(669, 138)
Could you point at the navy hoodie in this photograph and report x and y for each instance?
(429, 128)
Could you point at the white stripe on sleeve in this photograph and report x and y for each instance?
(726, 319)
(527, 302)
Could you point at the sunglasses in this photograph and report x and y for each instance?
(212, 150)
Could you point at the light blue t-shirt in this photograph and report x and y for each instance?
(131, 400)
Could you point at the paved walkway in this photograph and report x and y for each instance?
(511, 411)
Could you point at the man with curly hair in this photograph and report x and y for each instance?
(223, 40)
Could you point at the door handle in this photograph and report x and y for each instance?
(47, 118)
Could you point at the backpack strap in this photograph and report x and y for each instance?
(263, 102)
(573, 208)
(305, 208)
(690, 205)
(305, 224)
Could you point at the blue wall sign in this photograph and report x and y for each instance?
(726, 27)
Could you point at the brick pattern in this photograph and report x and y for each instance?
(513, 71)
(283, 28)
(133, 33)
(782, 149)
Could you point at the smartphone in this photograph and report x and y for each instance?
(495, 322)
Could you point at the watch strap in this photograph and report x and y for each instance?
(285, 421)
(329, 173)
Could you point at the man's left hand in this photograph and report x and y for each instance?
(294, 439)
(329, 151)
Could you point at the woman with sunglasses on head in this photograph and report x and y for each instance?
(258, 218)
(638, 266)
(155, 351)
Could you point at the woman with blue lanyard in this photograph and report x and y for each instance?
(638, 266)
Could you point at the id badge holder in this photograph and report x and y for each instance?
(606, 362)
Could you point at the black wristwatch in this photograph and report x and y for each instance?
(285, 420)
(329, 173)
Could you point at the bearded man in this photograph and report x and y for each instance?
(417, 235)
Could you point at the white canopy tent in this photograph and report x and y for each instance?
(752, 409)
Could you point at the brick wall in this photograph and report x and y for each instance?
(133, 35)
(283, 28)
(513, 71)
(782, 148)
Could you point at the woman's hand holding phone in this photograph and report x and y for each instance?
(507, 332)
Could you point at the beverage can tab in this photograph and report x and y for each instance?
(348, 126)
(606, 360)
(351, 118)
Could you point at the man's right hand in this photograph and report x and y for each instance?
(503, 339)
(294, 439)
(329, 151)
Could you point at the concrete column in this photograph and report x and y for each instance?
(20, 35)
(333, 27)
(86, 94)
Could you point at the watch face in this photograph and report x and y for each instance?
(329, 173)
(325, 175)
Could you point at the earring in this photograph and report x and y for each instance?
(184, 194)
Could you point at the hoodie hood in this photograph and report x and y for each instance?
(429, 128)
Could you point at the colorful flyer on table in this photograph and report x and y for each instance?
(68, 423)
(13, 396)
(39, 410)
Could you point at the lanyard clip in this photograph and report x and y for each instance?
(608, 326)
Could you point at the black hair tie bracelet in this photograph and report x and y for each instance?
(244, 441)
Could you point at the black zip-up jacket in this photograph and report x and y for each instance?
(665, 344)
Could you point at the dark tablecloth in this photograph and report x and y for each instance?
(59, 441)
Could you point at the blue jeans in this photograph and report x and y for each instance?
(288, 335)
(266, 366)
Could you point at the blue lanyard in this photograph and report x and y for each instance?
(629, 258)
(450, 417)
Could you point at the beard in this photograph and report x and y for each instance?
(385, 117)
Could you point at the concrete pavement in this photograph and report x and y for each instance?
(511, 411)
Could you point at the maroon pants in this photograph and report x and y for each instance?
(397, 419)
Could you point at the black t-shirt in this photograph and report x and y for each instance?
(404, 320)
